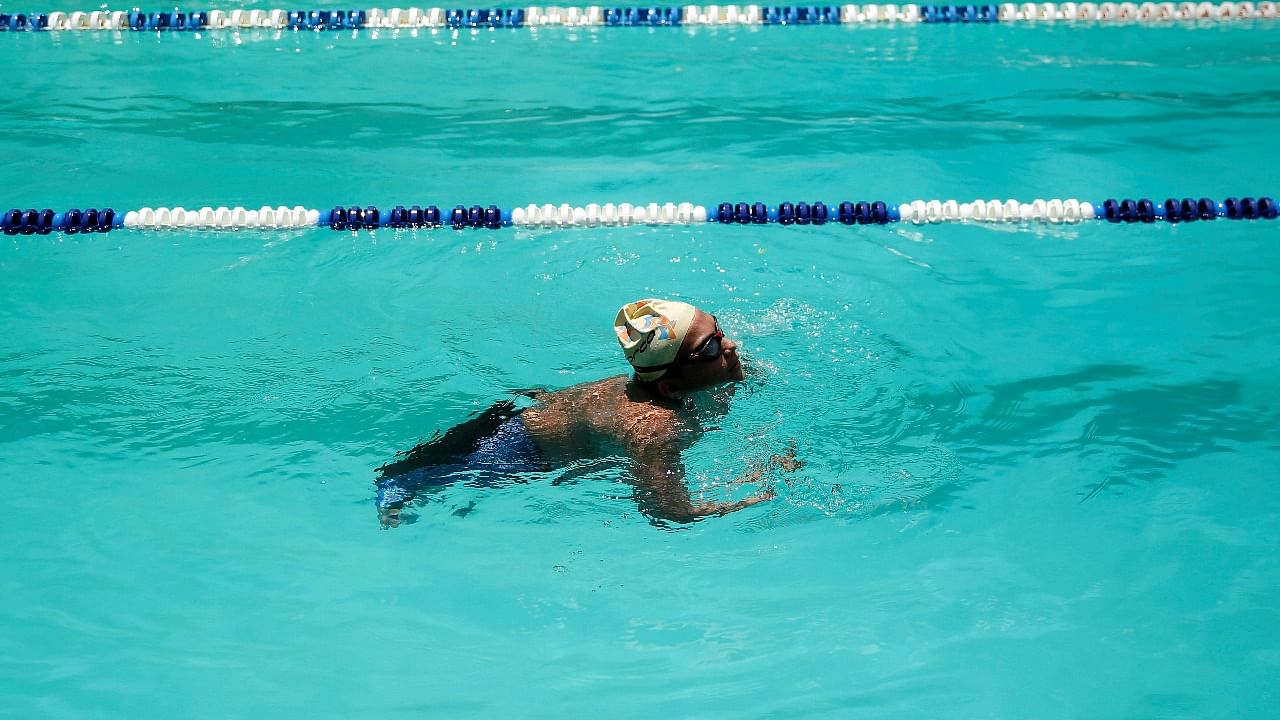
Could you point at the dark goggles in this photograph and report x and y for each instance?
(709, 351)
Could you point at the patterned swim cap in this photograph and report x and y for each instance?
(650, 332)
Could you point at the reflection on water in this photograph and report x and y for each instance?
(1123, 421)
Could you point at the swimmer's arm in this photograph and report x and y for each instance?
(661, 490)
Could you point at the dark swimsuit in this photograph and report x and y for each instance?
(488, 450)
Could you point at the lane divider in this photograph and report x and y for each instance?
(31, 221)
(653, 16)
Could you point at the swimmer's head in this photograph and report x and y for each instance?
(651, 332)
(676, 346)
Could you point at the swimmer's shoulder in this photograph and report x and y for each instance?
(571, 405)
(605, 389)
(606, 404)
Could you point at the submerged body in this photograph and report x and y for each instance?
(647, 421)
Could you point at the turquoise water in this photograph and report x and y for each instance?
(1041, 463)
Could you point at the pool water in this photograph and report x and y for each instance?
(1041, 463)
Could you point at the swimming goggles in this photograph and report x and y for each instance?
(709, 351)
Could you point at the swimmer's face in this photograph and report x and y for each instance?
(707, 357)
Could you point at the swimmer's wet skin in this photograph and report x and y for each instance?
(675, 350)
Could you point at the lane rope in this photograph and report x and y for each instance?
(31, 221)
(654, 16)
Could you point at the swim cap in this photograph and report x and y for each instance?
(650, 332)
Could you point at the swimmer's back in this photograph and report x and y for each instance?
(597, 416)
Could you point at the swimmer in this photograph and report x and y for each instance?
(677, 353)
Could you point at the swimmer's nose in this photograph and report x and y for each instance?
(729, 346)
